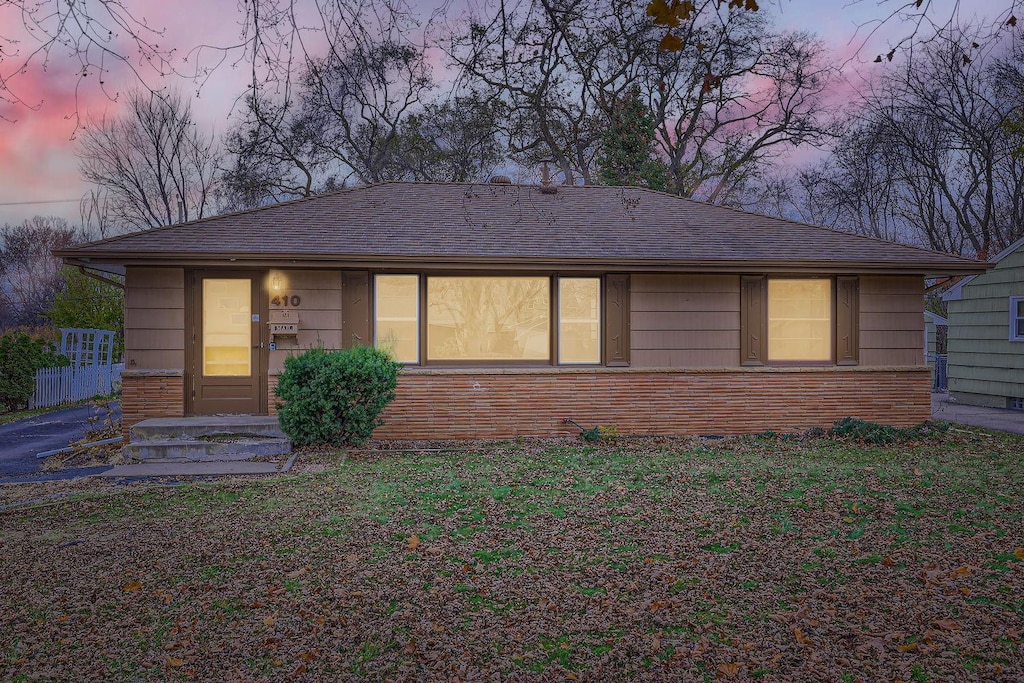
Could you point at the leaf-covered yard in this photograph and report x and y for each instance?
(749, 558)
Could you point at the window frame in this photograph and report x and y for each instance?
(1015, 302)
(375, 311)
(556, 322)
(818, 362)
(754, 320)
(552, 278)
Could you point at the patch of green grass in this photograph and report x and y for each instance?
(497, 555)
(721, 548)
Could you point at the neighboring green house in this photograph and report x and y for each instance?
(986, 334)
(932, 321)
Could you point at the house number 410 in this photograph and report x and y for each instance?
(285, 300)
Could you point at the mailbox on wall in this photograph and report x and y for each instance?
(283, 323)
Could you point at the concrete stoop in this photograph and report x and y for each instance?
(206, 439)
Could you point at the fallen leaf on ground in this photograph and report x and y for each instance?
(728, 669)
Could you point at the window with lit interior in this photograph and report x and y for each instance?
(488, 319)
(579, 320)
(799, 320)
(471, 318)
(396, 314)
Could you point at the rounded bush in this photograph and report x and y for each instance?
(20, 357)
(335, 397)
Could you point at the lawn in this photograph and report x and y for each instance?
(766, 558)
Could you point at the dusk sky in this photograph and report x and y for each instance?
(38, 166)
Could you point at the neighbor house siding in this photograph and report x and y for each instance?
(985, 367)
(891, 332)
(318, 312)
(474, 404)
(154, 319)
(685, 321)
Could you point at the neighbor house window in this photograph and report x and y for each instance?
(579, 320)
(396, 314)
(488, 319)
(799, 320)
(1017, 318)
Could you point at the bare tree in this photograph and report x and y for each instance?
(735, 95)
(101, 37)
(364, 110)
(94, 214)
(731, 92)
(453, 140)
(29, 272)
(272, 156)
(931, 160)
(156, 167)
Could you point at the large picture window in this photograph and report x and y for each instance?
(799, 320)
(488, 319)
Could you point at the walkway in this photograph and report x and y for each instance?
(991, 418)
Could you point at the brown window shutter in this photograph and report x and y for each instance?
(355, 309)
(616, 320)
(753, 319)
(847, 320)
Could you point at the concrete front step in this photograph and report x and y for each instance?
(206, 425)
(206, 439)
(200, 450)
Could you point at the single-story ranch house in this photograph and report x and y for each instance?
(513, 307)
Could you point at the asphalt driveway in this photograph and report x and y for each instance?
(21, 440)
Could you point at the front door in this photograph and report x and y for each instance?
(227, 362)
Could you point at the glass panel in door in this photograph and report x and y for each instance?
(227, 328)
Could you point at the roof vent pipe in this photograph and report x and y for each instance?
(500, 180)
(545, 178)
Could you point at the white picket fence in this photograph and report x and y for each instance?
(55, 386)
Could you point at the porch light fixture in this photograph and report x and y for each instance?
(275, 283)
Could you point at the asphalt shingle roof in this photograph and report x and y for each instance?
(513, 224)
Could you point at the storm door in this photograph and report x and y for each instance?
(227, 361)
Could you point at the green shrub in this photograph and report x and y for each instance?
(876, 434)
(335, 397)
(20, 357)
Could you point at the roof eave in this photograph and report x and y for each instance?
(444, 262)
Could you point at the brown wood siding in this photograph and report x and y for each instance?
(685, 321)
(319, 310)
(154, 319)
(891, 326)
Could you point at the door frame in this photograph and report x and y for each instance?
(193, 317)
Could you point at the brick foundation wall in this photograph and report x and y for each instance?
(272, 398)
(150, 393)
(474, 404)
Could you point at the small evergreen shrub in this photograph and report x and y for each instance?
(335, 397)
(20, 357)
